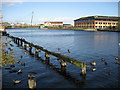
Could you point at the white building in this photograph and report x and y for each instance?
(53, 23)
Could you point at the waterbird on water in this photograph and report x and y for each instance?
(26, 53)
(7, 68)
(19, 71)
(116, 58)
(68, 51)
(12, 65)
(16, 81)
(117, 62)
(106, 63)
(23, 64)
(93, 63)
(21, 56)
(102, 59)
(109, 73)
(18, 61)
(13, 71)
(11, 45)
(32, 72)
(58, 49)
(93, 69)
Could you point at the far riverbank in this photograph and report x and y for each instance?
(75, 29)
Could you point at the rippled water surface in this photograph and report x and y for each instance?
(84, 46)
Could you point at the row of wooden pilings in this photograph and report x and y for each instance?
(63, 59)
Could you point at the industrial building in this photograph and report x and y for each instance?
(96, 22)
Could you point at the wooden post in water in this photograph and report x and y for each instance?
(14, 39)
(30, 49)
(21, 42)
(47, 58)
(31, 82)
(63, 63)
(25, 46)
(18, 41)
(63, 66)
(83, 72)
(36, 52)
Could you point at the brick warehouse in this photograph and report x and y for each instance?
(96, 22)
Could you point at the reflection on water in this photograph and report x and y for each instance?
(83, 46)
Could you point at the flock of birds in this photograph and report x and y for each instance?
(93, 63)
(31, 78)
(11, 68)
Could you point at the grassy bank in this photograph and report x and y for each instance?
(7, 53)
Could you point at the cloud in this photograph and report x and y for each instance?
(12, 2)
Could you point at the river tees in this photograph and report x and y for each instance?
(84, 46)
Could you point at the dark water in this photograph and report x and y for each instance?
(83, 46)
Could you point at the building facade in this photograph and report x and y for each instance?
(54, 24)
(67, 25)
(96, 22)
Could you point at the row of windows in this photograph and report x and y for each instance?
(86, 26)
(101, 26)
(104, 23)
(95, 20)
(95, 23)
(93, 26)
(85, 23)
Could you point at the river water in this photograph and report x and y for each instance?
(83, 46)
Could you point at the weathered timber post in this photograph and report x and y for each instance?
(31, 82)
(36, 52)
(63, 66)
(63, 63)
(83, 72)
(15, 40)
(18, 41)
(30, 49)
(47, 58)
(21, 42)
(25, 46)
(63, 70)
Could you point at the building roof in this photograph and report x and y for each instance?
(98, 17)
(53, 22)
(66, 24)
